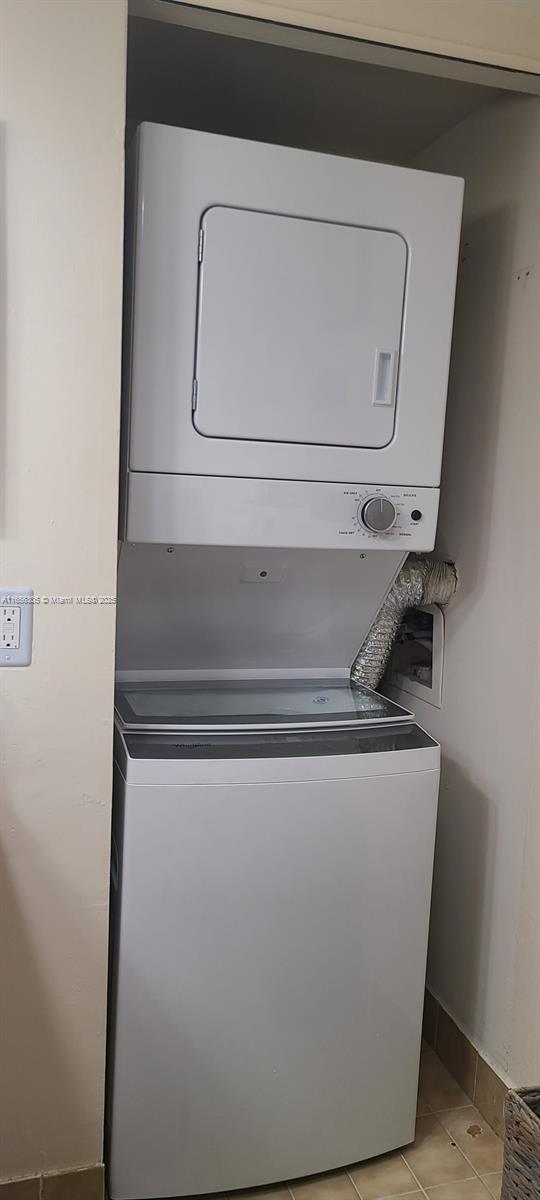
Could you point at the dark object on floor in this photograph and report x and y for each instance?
(521, 1173)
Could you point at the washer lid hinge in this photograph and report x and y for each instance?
(201, 244)
(194, 392)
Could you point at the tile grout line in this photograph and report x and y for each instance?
(489, 1175)
(389, 1195)
(415, 1177)
(458, 1148)
(452, 1183)
(351, 1180)
(453, 1108)
(399, 1195)
(467, 1160)
(354, 1186)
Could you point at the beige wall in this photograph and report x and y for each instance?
(501, 32)
(61, 151)
(484, 962)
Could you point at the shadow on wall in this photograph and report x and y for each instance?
(474, 399)
(462, 886)
(469, 820)
(43, 1046)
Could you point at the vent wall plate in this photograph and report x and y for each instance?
(416, 665)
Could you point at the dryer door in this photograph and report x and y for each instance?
(299, 326)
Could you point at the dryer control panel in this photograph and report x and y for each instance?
(217, 511)
(392, 516)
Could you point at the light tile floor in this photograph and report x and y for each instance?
(455, 1155)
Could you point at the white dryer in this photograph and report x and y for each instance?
(290, 318)
(273, 850)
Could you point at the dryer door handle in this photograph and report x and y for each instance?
(384, 378)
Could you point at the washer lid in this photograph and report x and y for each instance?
(227, 706)
(322, 743)
(298, 332)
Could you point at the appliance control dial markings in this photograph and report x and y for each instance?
(378, 514)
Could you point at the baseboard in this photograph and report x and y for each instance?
(485, 1088)
(86, 1184)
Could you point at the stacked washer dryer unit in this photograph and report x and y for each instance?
(273, 834)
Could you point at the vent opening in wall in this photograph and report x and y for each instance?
(416, 664)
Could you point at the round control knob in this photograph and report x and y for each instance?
(378, 514)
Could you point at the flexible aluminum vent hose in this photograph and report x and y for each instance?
(420, 581)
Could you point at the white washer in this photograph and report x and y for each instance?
(270, 921)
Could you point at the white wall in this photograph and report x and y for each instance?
(61, 112)
(484, 962)
(505, 32)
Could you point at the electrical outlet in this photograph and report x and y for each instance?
(10, 627)
(16, 623)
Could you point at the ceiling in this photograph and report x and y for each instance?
(183, 76)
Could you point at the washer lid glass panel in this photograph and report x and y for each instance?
(226, 706)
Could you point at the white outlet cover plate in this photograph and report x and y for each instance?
(23, 598)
